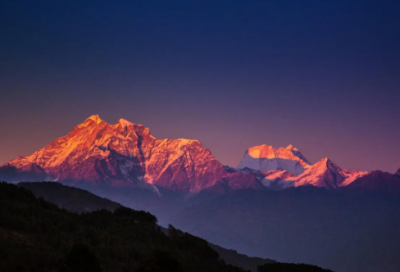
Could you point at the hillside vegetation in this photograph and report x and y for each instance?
(36, 235)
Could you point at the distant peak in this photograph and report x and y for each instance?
(90, 121)
(270, 147)
(398, 172)
(325, 160)
(95, 118)
(260, 147)
(267, 158)
(187, 141)
(124, 122)
(291, 147)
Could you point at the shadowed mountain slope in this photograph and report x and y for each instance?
(69, 198)
(78, 200)
(35, 235)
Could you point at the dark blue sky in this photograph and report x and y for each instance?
(321, 75)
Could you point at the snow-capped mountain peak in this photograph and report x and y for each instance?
(266, 158)
(95, 118)
(325, 173)
(291, 147)
(124, 123)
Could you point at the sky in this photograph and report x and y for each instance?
(321, 75)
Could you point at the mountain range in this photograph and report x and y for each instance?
(127, 155)
(274, 204)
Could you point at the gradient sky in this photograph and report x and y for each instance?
(321, 75)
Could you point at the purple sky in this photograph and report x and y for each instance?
(320, 75)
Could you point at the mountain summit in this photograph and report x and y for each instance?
(327, 174)
(266, 158)
(125, 154)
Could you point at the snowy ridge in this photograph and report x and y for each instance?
(267, 158)
(327, 174)
(278, 180)
(287, 167)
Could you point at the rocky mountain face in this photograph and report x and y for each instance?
(125, 154)
(267, 158)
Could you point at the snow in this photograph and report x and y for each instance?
(277, 175)
(125, 168)
(183, 141)
(267, 158)
(277, 184)
(278, 180)
(291, 147)
(254, 153)
(95, 118)
(249, 162)
(325, 173)
(124, 123)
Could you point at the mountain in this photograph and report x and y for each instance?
(125, 154)
(266, 158)
(376, 181)
(327, 174)
(398, 172)
(324, 173)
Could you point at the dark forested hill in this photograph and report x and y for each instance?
(78, 200)
(69, 198)
(285, 267)
(233, 257)
(36, 235)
